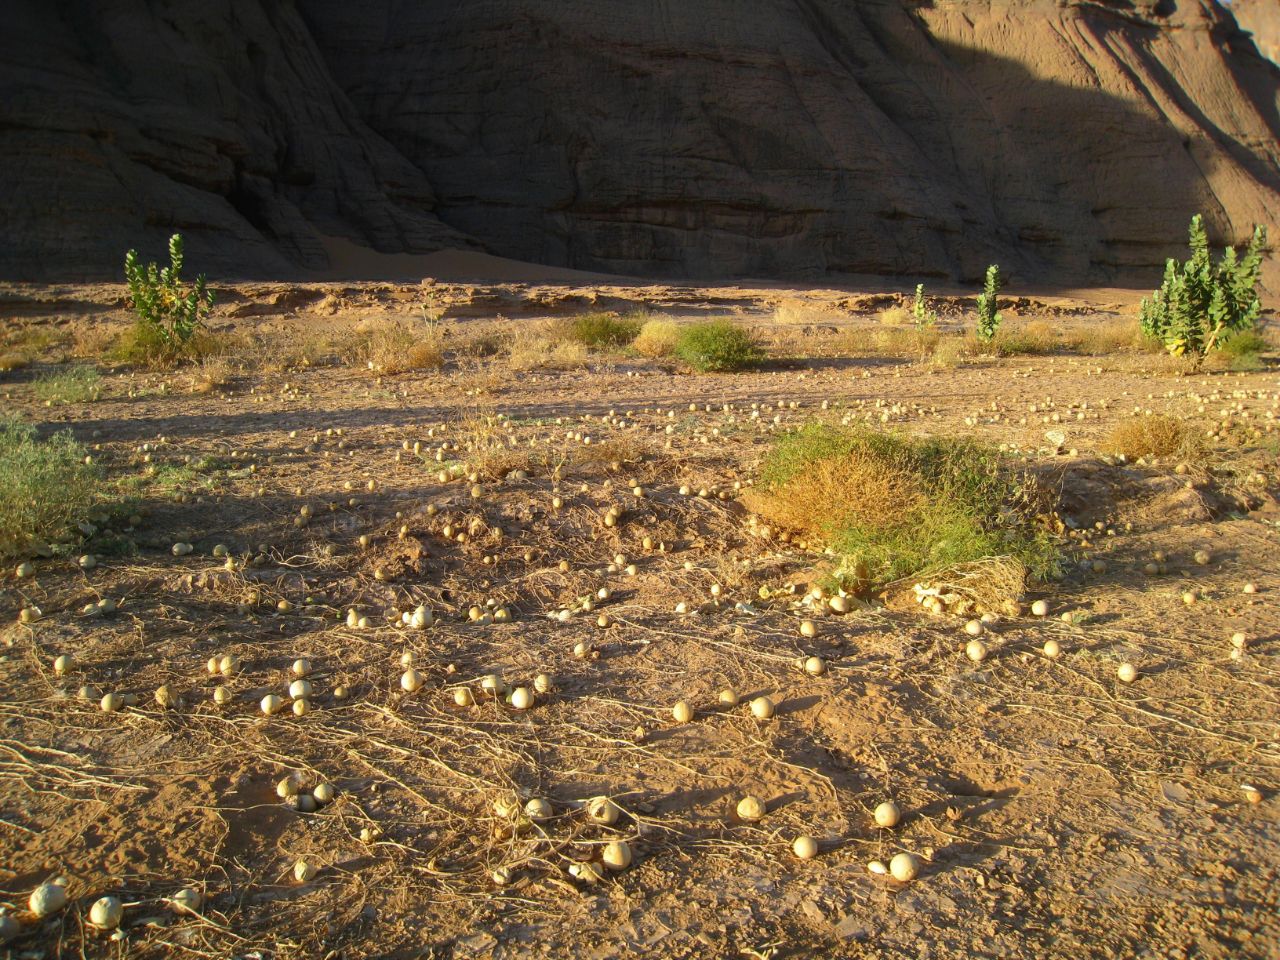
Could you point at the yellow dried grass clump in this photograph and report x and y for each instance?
(897, 317)
(657, 338)
(890, 341)
(212, 373)
(394, 347)
(837, 492)
(1027, 337)
(806, 312)
(1152, 436)
(1112, 336)
(541, 353)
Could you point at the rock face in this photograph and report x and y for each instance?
(1262, 19)
(1070, 141)
(123, 121)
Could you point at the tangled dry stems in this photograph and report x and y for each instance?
(1152, 436)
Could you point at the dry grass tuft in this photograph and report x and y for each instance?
(897, 317)
(1154, 436)
(804, 312)
(1114, 336)
(34, 341)
(94, 341)
(484, 340)
(913, 342)
(13, 360)
(657, 338)
(544, 353)
(835, 492)
(396, 347)
(1032, 337)
(212, 373)
(992, 583)
(948, 352)
(619, 452)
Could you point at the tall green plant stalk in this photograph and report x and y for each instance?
(920, 310)
(988, 316)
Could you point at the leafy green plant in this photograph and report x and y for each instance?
(1199, 304)
(924, 317)
(169, 312)
(78, 384)
(716, 346)
(988, 316)
(45, 486)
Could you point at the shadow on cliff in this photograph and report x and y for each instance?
(842, 138)
(729, 139)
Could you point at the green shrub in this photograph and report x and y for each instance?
(1243, 351)
(169, 312)
(78, 384)
(45, 486)
(900, 506)
(1198, 304)
(988, 316)
(602, 331)
(717, 346)
(1244, 343)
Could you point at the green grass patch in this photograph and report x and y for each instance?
(1243, 351)
(717, 346)
(78, 384)
(899, 506)
(45, 486)
(602, 331)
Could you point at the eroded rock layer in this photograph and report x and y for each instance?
(1069, 141)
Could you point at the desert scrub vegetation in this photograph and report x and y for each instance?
(545, 353)
(1200, 304)
(169, 313)
(1111, 336)
(896, 317)
(894, 506)
(21, 344)
(1030, 338)
(398, 346)
(602, 331)
(80, 383)
(717, 346)
(1156, 435)
(801, 312)
(912, 342)
(1243, 351)
(657, 338)
(45, 486)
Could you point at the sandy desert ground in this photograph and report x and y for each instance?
(1055, 811)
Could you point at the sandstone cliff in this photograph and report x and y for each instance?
(1262, 19)
(1070, 141)
(121, 122)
